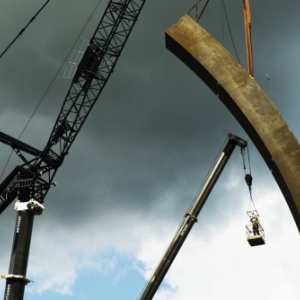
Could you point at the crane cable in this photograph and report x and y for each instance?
(20, 33)
(52, 81)
(202, 10)
(194, 6)
(230, 32)
(248, 177)
(198, 16)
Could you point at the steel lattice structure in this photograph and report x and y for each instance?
(34, 178)
(31, 181)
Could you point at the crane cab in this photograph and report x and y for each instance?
(254, 231)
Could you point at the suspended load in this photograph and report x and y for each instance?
(254, 231)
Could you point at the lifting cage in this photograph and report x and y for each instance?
(254, 231)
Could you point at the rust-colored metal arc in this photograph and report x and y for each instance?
(246, 101)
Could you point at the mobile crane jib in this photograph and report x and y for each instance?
(190, 217)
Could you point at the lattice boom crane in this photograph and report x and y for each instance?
(31, 180)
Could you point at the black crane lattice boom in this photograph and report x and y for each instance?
(33, 179)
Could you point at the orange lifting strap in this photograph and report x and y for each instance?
(247, 25)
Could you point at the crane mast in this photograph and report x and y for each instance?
(31, 180)
(191, 217)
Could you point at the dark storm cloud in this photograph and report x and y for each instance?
(156, 128)
(33, 60)
(147, 131)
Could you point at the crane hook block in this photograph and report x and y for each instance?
(248, 179)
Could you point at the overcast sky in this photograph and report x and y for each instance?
(142, 155)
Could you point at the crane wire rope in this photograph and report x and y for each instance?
(229, 29)
(222, 20)
(195, 6)
(21, 32)
(51, 83)
(248, 177)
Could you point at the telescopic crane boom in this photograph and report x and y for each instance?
(190, 218)
(31, 181)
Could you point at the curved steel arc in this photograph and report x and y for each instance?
(247, 102)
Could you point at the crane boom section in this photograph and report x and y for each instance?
(190, 218)
(93, 72)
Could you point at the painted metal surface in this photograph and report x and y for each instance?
(246, 101)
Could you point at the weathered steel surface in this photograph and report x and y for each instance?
(245, 100)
